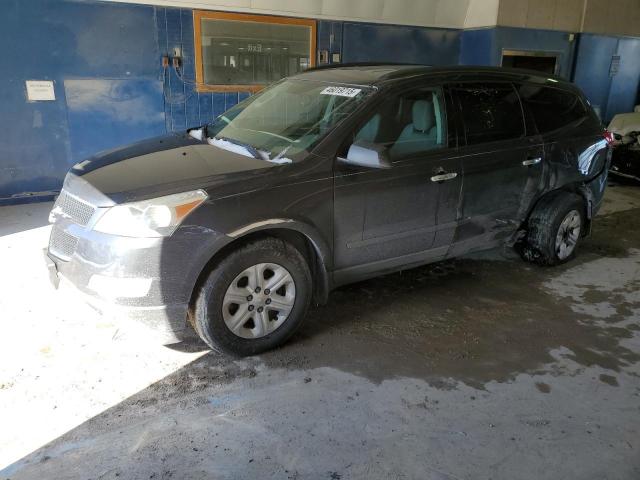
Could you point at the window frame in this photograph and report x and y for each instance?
(200, 15)
(461, 114)
(572, 124)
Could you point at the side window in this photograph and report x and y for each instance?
(490, 112)
(408, 124)
(552, 108)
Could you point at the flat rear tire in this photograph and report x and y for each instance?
(554, 229)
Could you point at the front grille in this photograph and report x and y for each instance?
(62, 244)
(78, 211)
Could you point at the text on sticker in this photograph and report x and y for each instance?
(341, 91)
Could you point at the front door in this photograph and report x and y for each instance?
(404, 215)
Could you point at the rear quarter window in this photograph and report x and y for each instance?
(551, 108)
(490, 112)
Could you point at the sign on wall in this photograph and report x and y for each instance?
(40, 91)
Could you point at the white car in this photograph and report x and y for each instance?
(625, 128)
(623, 124)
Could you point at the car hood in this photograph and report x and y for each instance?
(156, 167)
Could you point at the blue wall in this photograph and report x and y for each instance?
(400, 44)
(478, 47)
(104, 60)
(585, 61)
(484, 46)
(609, 94)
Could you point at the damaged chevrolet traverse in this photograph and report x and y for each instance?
(329, 177)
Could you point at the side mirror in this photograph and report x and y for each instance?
(366, 154)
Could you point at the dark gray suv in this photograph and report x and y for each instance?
(329, 177)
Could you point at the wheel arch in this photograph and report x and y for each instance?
(301, 236)
(577, 188)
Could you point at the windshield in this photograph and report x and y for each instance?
(283, 122)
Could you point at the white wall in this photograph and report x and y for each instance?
(427, 13)
(482, 13)
(618, 17)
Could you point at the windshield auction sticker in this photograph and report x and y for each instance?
(341, 91)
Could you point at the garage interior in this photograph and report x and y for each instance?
(474, 368)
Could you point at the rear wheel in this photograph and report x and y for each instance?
(254, 299)
(554, 229)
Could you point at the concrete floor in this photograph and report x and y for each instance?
(478, 368)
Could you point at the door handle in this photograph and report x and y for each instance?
(443, 177)
(531, 161)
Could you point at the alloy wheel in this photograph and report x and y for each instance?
(568, 234)
(259, 300)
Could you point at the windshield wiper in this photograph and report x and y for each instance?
(249, 148)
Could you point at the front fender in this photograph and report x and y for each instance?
(216, 243)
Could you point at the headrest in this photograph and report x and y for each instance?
(423, 117)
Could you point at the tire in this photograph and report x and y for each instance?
(232, 296)
(541, 244)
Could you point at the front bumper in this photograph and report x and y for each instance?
(164, 324)
(52, 269)
(148, 280)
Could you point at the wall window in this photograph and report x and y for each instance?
(408, 125)
(247, 52)
(491, 112)
(547, 62)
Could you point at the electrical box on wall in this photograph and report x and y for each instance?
(324, 57)
(615, 65)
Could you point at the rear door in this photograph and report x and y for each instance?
(502, 157)
(575, 149)
(406, 214)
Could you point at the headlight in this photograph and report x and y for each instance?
(158, 217)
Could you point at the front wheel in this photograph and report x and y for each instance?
(254, 299)
(554, 229)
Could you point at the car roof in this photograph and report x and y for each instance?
(382, 74)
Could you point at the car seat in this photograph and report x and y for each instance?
(421, 134)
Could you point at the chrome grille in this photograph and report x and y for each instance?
(78, 211)
(62, 244)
